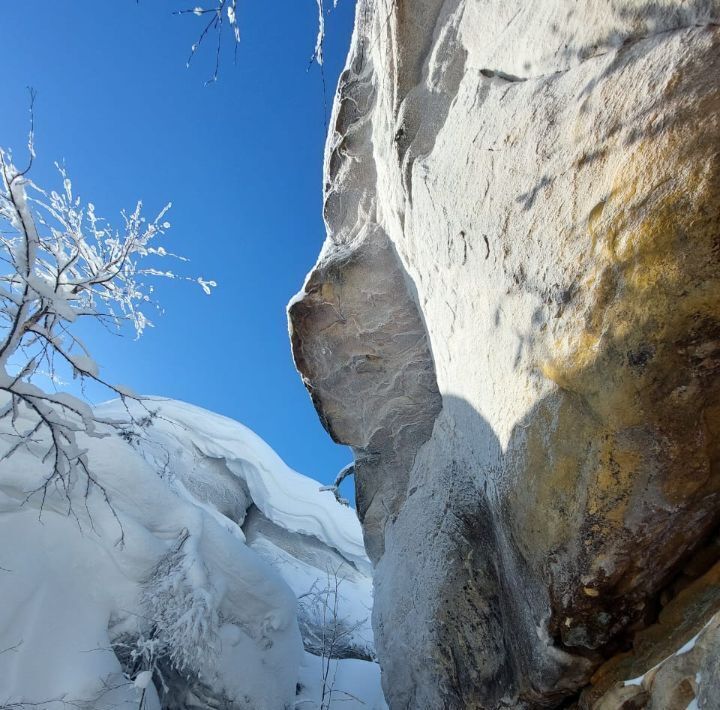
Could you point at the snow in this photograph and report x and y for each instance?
(164, 570)
(685, 648)
(355, 684)
(690, 645)
(309, 575)
(285, 497)
(143, 679)
(56, 603)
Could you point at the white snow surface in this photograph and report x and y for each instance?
(165, 560)
(355, 684)
(287, 498)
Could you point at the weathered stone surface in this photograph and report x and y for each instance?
(369, 370)
(686, 678)
(515, 321)
(673, 661)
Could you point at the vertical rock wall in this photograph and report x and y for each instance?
(515, 322)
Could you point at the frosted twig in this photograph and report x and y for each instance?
(346, 471)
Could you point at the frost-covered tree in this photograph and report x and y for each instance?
(218, 18)
(179, 599)
(61, 264)
(221, 19)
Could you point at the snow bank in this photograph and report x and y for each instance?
(353, 684)
(285, 497)
(159, 581)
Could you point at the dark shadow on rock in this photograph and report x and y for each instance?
(458, 612)
(506, 573)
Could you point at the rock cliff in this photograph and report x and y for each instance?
(515, 323)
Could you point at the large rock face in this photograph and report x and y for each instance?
(515, 322)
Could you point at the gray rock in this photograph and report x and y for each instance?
(515, 323)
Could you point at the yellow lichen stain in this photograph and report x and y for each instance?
(653, 284)
(618, 467)
(545, 511)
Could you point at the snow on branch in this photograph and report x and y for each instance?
(60, 264)
(182, 603)
(222, 17)
(317, 55)
(346, 471)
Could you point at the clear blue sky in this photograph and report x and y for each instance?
(240, 159)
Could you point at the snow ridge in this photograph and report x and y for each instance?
(158, 592)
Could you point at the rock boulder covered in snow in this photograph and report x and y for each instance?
(199, 571)
(515, 322)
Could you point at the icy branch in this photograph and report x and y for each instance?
(346, 471)
(60, 263)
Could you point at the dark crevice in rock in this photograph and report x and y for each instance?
(492, 73)
(691, 567)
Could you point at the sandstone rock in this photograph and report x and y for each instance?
(369, 370)
(515, 322)
(672, 662)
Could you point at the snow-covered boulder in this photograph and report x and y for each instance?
(180, 575)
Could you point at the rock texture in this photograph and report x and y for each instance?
(515, 322)
(672, 663)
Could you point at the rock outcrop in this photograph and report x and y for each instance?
(515, 323)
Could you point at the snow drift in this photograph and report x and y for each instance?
(171, 577)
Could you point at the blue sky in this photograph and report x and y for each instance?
(240, 159)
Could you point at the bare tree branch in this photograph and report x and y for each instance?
(320, 606)
(346, 471)
(61, 263)
(224, 10)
